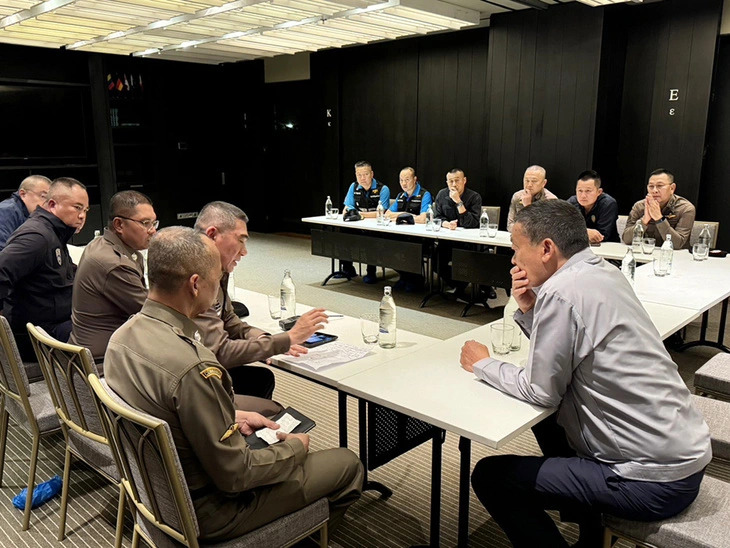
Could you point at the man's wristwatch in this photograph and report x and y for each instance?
(460, 204)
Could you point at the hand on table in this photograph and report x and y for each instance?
(451, 225)
(471, 353)
(594, 236)
(297, 350)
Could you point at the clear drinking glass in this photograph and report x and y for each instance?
(492, 230)
(516, 341)
(275, 307)
(369, 327)
(647, 246)
(334, 212)
(660, 267)
(437, 224)
(700, 251)
(501, 335)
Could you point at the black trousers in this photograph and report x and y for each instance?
(60, 331)
(346, 266)
(254, 388)
(517, 490)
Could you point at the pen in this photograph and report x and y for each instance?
(335, 316)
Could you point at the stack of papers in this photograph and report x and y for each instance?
(286, 423)
(327, 355)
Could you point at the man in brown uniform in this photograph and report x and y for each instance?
(156, 363)
(233, 341)
(662, 212)
(109, 285)
(534, 190)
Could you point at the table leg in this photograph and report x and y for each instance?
(703, 332)
(368, 485)
(464, 490)
(436, 450)
(342, 413)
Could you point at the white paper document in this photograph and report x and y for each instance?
(286, 423)
(334, 353)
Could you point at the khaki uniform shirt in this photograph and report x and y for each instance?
(679, 214)
(108, 288)
(233, 341)
(157, 364)
(515, 204)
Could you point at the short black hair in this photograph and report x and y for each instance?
(363, 163)
(557, 220)
(455, 171)
(662, 171)
(589, 175)
(124, 204)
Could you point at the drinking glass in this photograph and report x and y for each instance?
(437, 224)
(492, 230)
(647, 246)
(369, 327)
(334, 212)
(502, 335)
(275, 307)
(516, 341)
(660, 268)
(700, 251)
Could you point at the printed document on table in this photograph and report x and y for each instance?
(287, 423)
(334, 353)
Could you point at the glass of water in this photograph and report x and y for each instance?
(700, 251)
(492, 230)
(437, 224)
(501, 335)
(647, 246)
(275, 307)
(369, 327)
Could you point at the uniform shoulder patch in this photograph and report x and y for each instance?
(209, 372)
(232, 429)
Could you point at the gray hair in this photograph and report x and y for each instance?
(62, 186)
(175, 254)
(409, 168)
(124, 204)
(538, 169)
(221, 215)
(32, 181)
(557, 220)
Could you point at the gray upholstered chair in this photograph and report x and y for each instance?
(494, 213)
(66, 368)
(621, 225)
(713, 226)
(713, 378)
(717, 417)
(154, 481)
(29, 405)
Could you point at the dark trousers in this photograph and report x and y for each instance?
(517, 490)
(346, 266)
(60, 331)
(254, 388)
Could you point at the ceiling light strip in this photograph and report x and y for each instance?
(35, 11)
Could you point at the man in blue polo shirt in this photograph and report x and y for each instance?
(598, 208)
(364, 195)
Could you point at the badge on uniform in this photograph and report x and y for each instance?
(197, 336)
(58, 256)
(232, 429)
(209, 372)
(593, 218)
(134, 256)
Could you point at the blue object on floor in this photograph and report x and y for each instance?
(370, 279)
(42, 493)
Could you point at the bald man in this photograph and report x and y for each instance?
(14, 211)
(533, 190)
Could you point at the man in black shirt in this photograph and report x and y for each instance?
(457, 205)
(598, 208)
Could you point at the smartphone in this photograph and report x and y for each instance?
(318, 339)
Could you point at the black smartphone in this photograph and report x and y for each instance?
(318, 339)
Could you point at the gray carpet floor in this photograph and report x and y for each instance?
(403, 519)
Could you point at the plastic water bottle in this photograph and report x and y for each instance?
(327, 207)
(628, 266)
(386, 338)
(638, 237)
(666, 254)
(484, 223)
(379, 213)
(429, 218)
(288, 296)
(705, 239)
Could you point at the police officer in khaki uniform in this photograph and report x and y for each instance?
(109, 285)
(157, 364)
(233, 341)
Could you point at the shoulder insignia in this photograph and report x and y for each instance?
(58, 256)
(134, 256)
(197, 336)
(209, 372)
(232, 429)
(376, 191)
(593, 218)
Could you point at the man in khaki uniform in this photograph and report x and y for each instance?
(534, 190)
(233, 341)
(156, 363)
(109, 285)
(662, 212)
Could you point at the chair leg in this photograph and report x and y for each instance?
(607, 538)
(135, 537)
(120, 518)
(323, 534)
(64, 495)
(3, 439)
(31, 481)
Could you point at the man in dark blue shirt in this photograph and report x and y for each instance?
(598, 208)
(16, 209)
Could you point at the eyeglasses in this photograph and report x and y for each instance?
(147, 224)
(656, 187)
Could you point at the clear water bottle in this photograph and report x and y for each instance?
(379, 213)
(288, 296)
(638, 237)
(628, 266)
(666, 254)
(387, 327)
(705, 239)
(327, 207)
(429, 218)
(484, 223)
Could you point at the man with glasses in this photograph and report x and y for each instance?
(534, 190)
(662, 212)
(15, 210)
(36, 271)
(110, 285)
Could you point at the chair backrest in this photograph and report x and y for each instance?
(621, 224)
(66, 368)
(151, 471)
(494, 213)
(713, 226)
(14, 385)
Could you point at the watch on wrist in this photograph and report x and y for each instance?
(460, 204)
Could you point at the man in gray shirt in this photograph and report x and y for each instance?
(626, 439)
